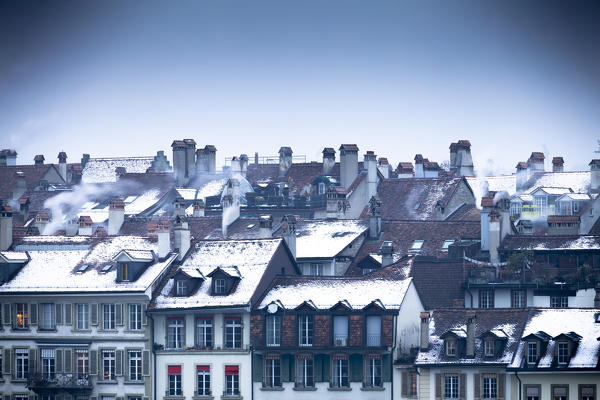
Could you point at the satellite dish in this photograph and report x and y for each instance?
(272, 308)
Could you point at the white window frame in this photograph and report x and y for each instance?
(305, 330)
(21, 363)
(339, 373)
(83, 316)
(181, 287)
(232, 384)
(175, 387)
(47, 321)
(272, 372)
(488, 347)
(108, 364)
(451, 386)
(135, 365)
(490, 386)
(417, 245)
(562, 352)
(135, 317)
(21, 316)
(373, 373)
(233, 333)
(204, 332)
(316, 269)
(450, 346)
(175, 333)
(305, 372)
(531, 352)
(48, 362)
(108, 317)
(203, 381)
(273, 330)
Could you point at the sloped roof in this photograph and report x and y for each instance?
(31, 173)
(326, 238)
(547, 243)
(99, 170)
(439, 281)
(466, 212)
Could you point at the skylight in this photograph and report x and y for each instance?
(106, 268)
(447, 244)
(82, 268)
(417, 244)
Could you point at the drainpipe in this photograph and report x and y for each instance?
(519, 379)
(252, 372)
(392, 359)
(153, 356)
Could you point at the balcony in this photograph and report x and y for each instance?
(44, 383)
(374, 340)
(340, 340)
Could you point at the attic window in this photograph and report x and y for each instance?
(417, 244)
(447, 244)
(531, 352)
(181, 288)
(250, 226)
(416, 206)
(451, 347)
(488, 347)
(106, 268)
(83, 268)
(562, 351)
(220, 286)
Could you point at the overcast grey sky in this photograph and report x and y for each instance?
(114, 78)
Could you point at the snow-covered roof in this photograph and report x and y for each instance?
(192, 272)
(138, 255)
(326, 238)
(56, 270)
(325, 292)
(574, 196)
(553, 243)
(98, 170)
(562, 321)
(250, 257)
(550, 190)
(14, 256)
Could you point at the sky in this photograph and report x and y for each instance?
(117, 78)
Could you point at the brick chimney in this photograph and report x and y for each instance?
(535, 163)
(285, 160)
(6, 227)
(463, 160)
(384, 167)
(288, 230)
(198, 208)
(62, 165)
(116, 216)
(424, 342)
(595, 175)
(375, 218)
(328, 160)
(201, 164)
(179, 163)
(265, 229)
(557, 164)
(85, 225)
(470, 352)
(190, 158)
(348, 164)
(39, 159)
(386, 250)
(181, 236)
(210, 153)
(370, 160)
(164, 241)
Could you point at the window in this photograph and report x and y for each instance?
(417, 244)
(1, 363)
(175, 333)
(451, 386)
(486, 298)
(124, 271)
(83, 316)
(304, 371)
(135, 365)
(47, 316)
(204, 332)
(575, 207)
(272, 372)
(108, 365)
(203, 380)
(174, 372)
(451, 347)
(531, 352)
(305, 334)
(108, 316)
(22, 316)
(135, 317)
(233, 332)
(488, 347)
(134, 397)
(273, 330)
(232, 380)
(559, 302)
(322, 188)
(373, 330)
(412, 385)
(560, 392)
(519, 298)
(373, 372)
(316, 269)
(562, 351)
(83, 364)
(48, 366)
(21, 363)
(181, 287)
(587, 392)
(447, 244)
(220, 286)
(515, 208)
(339, 371)
(532, 393)
(490, 386)
(340, 330)
(19, 396)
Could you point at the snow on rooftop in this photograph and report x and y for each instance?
(326, 238)
(56, 239)
(211, 188)
(581, 243)
(143, 202)
(575, 196)
(550, 190)
(12, 256)
(187, 194)
(140, 254)
(326, 292)
(99, 170)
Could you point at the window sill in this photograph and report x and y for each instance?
(81, 330)
(202, 397)
(140, 382)
(305, 389)
(174, 397)
(271, 389)
(46, 329)
(231, 397)
(106, 381)
(341, 389)
(372, 389)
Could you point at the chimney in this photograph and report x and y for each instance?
(595, 175)
(463, 160)
(179, 207)
(328, 160)
(190, 158)
(164, 241)
(336, 202)
(210, 153)
(116, 216)
(453, 157)
(235, 166)
(256, 157)
(6, 226)
(85, 225)
(494, 236)
(72, 227)
(201, 162)
(285, 160)
(39, 159)
(557, 164)
(179, 163)
(198, 208)
(424, 342)
(265, 226)
(536, 162)
(84, 160)
(181, 236)
(243, 164)
(384, 167)
(8, 157)
(470, 353)
(375, 218)
(386, 250)
(20, 186)
(370, 160)
(522, 175)
(419, 171)
(288, 229)
(62, 165)
(348, 164)
(41, 220)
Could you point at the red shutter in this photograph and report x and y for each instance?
(232, 318)
(232, 370)
(174, 369)
(203, 367)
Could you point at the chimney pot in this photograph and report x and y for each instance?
(470, 336)
(424, 342)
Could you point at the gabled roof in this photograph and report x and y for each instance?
(438, 281)
(136, 255)
(31, 174)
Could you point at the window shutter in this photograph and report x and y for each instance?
(146, 363)
(501, 385)
(119, 314)
(93, 362)
(33, 314)
(32, 361)
(326, 368)
(355, 365)
(68, 314)
(119, 362)
(68, 359)
(6, 359)
(58, 315)
(438, 386)
(462, 380)
(99, 366)
(257, 370)
(59, 360)
(6, 314)
(404, 384)
(477, 386)
(144, 316)
(94, 313)
(318, 368)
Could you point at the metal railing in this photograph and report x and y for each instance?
(58, 381)
(373, 340)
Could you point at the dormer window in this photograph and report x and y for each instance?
(562, 350)
(532, 353)
(488, 347)
(220, 286)
(181, 288)
(451, 347)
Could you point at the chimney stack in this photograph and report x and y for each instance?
(198, 208)
(201, 163)
(535, 163)
(210, 153)
(470, 352)
(375, 218)
(181, 236)
(557, 164)
(384, 167)
(386, 250)
(190, 159)
(285, 160)
(288, 227)
(265, 226)
(179, 207)
(41, 220)
(8, 157)
(20, 186)
(328, 160)
(419, 170)
(336, 202)
(72, 226)
(463, 161)
(522, 175)
(348, 164)
(235, 166)
(179, 163)
(595, 175)
(243, 164)
(39, 159)
(494, 236)
(424, 342)
(164, 241)
(6, 227)
(85, 225)
(453, 157)
(116, 216)
(62, 165)
(370, 160)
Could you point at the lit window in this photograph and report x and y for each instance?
(22, 316)
(417, 244)
(124, 271)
